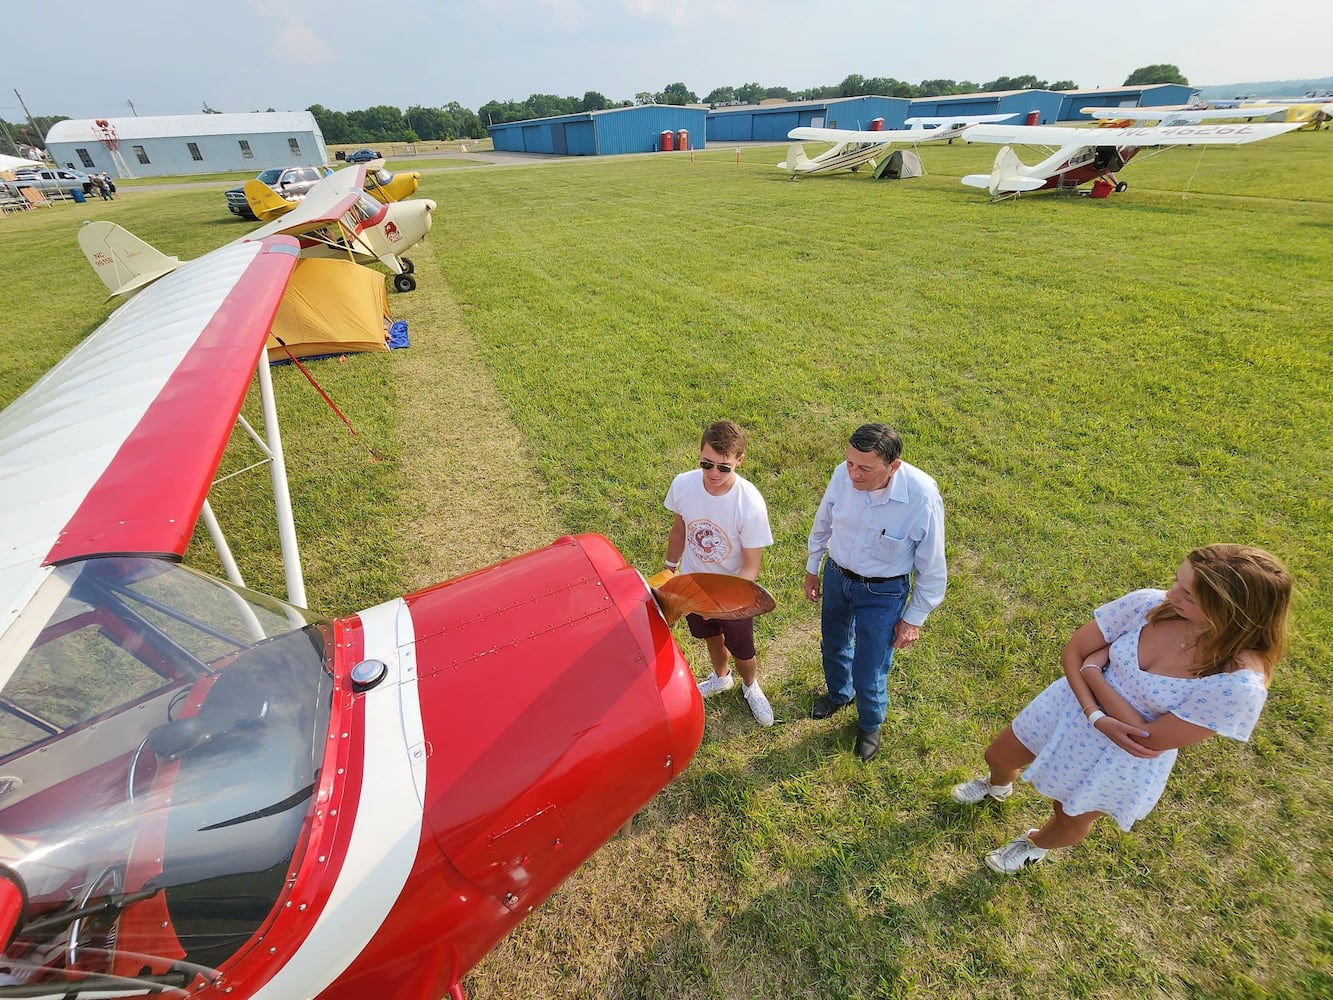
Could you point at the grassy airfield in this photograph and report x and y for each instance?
(1097, 386)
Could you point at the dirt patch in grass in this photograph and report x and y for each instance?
(475, 494)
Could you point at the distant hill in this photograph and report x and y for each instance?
(1267, 88)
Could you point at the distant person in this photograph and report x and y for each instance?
(721, 526)
(99, 185)
(881, 526)
(110, 184)
(1152, 672)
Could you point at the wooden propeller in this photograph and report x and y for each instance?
(709, 595)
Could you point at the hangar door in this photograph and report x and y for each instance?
(774, 127)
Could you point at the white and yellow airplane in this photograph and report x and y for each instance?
(1307, 114)
(336, 219)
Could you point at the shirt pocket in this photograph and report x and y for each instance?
(888, 549)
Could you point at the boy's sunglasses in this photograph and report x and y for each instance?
(707, 465)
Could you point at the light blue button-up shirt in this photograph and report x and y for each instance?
(890, 532)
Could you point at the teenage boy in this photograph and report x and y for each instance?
(721, 526)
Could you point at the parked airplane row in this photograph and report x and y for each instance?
(1077, 155)
(338, 218)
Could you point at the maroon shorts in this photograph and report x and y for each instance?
(738, 634)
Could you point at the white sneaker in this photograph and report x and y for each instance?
(759, 706)
(979, 789)
(1016, 855)
(713, 684)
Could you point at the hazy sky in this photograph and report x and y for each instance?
(247, 55)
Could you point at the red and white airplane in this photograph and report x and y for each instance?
(1084, 154)
(205, 792)
(338, 219)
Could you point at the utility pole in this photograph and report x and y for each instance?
(131, 104)
(36, 131)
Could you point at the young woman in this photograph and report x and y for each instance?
(1152, 672)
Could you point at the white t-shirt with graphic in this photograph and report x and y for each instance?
(717, 528)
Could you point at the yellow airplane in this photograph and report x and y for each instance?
(386, 187)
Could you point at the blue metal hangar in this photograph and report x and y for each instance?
(1154, 95)
(772, 122)
(168, 145)
(639, 129)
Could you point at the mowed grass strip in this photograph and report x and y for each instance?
(1098, 387)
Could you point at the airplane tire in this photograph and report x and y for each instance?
(408, 266)
(1121, 187)
(404, 283)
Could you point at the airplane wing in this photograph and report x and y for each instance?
(1177, 113)
(1170, 135)
(113, 450)
(924, 129)
(810, 134)
(944, 120)
(941, 128)
(324, 205)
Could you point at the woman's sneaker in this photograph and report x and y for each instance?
(1016, 855)
(979, 789)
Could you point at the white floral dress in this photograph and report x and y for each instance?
(1082, 769)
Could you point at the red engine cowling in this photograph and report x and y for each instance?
(555, 703)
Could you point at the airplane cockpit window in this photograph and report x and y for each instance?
(160, 739)
(366, 208)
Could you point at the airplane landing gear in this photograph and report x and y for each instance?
(408, 266)
(1121, 187)
(404, 283)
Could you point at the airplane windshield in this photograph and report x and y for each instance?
(366, 209)
(160, 740)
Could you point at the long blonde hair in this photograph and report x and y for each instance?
(1244, 593)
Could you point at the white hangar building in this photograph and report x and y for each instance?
(188, 144)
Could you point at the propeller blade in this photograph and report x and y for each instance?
(710, 595)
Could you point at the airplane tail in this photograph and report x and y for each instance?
(124, 262)
(266, 203)
(1005, 176)
(796, 161)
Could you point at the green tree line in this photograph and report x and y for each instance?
(385, 123)
(14, 134)
(498, 112)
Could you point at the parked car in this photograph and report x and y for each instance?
(364, 156)
(293, 183)
(49, 182)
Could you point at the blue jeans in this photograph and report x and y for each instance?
(858, 622)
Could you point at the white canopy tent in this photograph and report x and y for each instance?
(15, 162)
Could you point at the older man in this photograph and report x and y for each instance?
(881, 525)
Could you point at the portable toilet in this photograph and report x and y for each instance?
(1032, 118)
(666, 142)
(877, 124)
(683, 139)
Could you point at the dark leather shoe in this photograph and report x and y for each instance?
(867, 745)
(825, 706)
